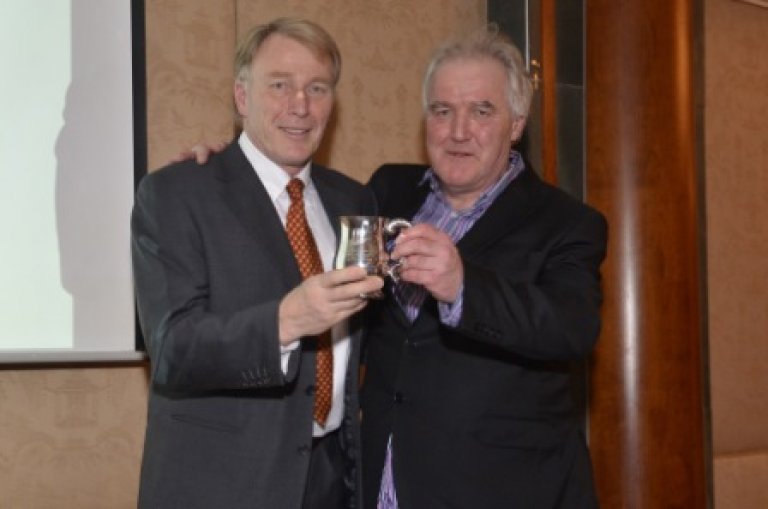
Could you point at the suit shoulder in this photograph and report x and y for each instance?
(183, 170)
(172, 178)
(569, 203)
(400, 171)
(397, 175)
(335, 177)
(189, 174)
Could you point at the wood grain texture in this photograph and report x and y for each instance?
(549, 91)
(647, 421)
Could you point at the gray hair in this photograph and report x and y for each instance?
(486, 43)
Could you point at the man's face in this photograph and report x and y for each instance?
(286, 102)
(470, 127)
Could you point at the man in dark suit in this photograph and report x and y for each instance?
(232, 321)
(467, 395)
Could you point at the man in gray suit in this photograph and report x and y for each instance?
(230, 323)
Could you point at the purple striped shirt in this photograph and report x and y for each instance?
(437, 211)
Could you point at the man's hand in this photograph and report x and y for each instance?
(200, 152)
(323, 300)
(430, 259)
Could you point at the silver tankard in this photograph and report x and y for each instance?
(365, 241)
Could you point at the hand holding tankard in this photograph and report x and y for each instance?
(365, 241)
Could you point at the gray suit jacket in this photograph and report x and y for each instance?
(225, 427)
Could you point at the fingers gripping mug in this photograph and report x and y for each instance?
(365, 241)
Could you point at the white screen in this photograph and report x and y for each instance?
(66, 180)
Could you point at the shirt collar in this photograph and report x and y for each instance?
(514, 168)
(272, 176)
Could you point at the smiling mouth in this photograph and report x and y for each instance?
(453, 153)
(295, 131)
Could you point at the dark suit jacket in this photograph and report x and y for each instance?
(482, 415)
(226, 428)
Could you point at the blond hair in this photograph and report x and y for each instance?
(311, 35)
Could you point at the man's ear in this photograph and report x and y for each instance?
(518, 125)
(241, 98)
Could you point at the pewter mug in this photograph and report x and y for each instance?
(364, 242)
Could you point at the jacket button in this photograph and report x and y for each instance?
(310, 390)
(303, 450)
(399, 397)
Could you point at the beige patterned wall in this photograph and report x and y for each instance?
(189, 67)
(71, 437)
(736, 128)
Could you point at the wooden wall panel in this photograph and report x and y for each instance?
(737, 219)
(548, 91)
(736, 120)
(647, 413)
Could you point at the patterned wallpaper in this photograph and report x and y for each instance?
(190, 44)
(71, 437)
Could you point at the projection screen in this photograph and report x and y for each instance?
(67, 180)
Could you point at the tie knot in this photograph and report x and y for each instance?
(295, 189)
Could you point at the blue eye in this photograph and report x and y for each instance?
(318, 89)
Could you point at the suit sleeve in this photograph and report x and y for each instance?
(191, 348)
(550, 310)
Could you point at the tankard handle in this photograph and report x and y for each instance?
(393, 227)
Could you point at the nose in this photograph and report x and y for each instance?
(459, 127)
(300, 103)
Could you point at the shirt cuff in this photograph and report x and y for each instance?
(450, 313)
(285, 354)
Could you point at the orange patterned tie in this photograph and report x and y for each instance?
(308, 258)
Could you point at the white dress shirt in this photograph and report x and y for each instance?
(274, 180)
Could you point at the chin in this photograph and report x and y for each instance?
(298, 157)
(453, 166)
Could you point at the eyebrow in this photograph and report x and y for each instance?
(283, 74)
(475, 104)
(439, 104)
(484, 104)
(279, 74)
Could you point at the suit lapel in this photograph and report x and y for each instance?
(244, 193)
(508, 212)
(407, 204)
(334, 201)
